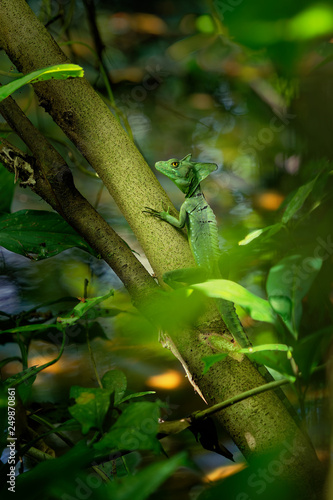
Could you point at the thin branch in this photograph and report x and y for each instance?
(53, 181)
(176, 426)
(236, 399)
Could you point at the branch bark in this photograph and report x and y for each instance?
(53, 181)
(257, 424)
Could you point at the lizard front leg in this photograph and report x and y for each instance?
(178, 223)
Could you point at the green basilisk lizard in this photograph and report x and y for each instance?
(200, 221)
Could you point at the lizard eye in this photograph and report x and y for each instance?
(174, 164)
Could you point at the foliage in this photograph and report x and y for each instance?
(38, 234)
(246, 86)
(60, 72)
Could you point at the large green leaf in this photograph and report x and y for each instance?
(279, 361)
(144, 483)
(66, 478)
(258, 308)
(91, 407)
(115, 381)
(38, 234)
(287, 284)
(135, 429)
(58, 478)
(59, 72)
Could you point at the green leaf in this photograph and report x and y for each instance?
(267, 347)
(115, 381)
(82, 307)
(59, 478)
(38, 234)
(28, 373)
(298, 200)
(136, 395)
(30, 328)
(7, 187)
(258, 308)
(91, 407)
(293, 206)
(59, 72)
(287, 284)
(146, 481)
(135, 429)
(211, 360)
(270, 230)
(24, 390)
(19, 377)
(277, 360)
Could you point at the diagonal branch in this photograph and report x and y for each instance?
(53, 181)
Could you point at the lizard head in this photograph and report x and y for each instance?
(185, 173)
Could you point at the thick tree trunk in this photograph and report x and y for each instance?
(258, 424)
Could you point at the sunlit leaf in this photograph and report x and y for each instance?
(186, 308)
(316, 20)
(258, 308)
(59, 72)
(205, 24)
(267, 347)
(268, 231)
(38, 234)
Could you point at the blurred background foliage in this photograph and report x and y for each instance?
(246, 85)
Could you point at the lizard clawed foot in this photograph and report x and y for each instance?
(158, 214)
(152, 211)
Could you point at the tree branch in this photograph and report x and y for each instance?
(54, 183)
(90, 125)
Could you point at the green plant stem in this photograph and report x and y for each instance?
(36, 370)
(91, 354)
(41, 420)
(38, 455)
(236, 399)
